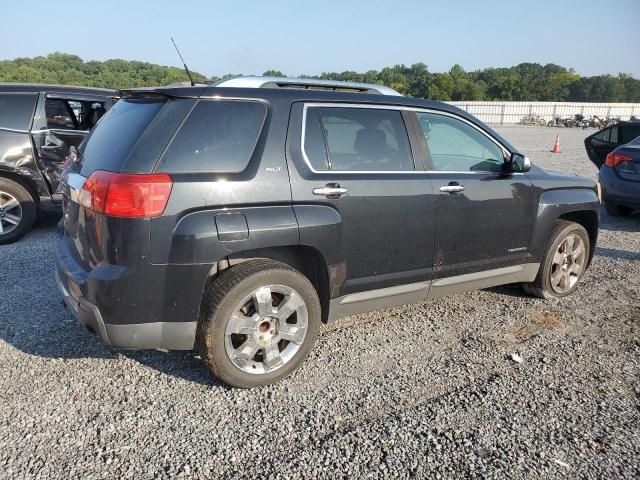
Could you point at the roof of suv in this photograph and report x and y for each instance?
(300, 90)
(68, 89)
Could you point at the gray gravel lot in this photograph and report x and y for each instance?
(426, 390)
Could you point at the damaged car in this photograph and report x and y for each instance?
(38, 126)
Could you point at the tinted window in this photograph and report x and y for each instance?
(59, 114)
(218, 136)
(628, 133)
(357, 139)
(109, 144)
(603, 135)
(16, 111)
(613, 136)
(456, 146)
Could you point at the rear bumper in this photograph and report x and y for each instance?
(618, 190)
(72, 281)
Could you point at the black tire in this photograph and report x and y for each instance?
(616, 210)
(220, 300)
(541, 286)
(27, 209)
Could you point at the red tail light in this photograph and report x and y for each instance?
(615, 159)
(128, 195)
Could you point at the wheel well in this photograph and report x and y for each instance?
(306, 260)
(589, 220)
(25, 182)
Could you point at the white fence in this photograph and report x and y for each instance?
(505, 113)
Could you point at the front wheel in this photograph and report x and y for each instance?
(564, 263)
(258, 323)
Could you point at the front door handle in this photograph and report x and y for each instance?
(453, 187)
(330, 190)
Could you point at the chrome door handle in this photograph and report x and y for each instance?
(330, 191)
(452, 188)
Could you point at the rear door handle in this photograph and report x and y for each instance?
(452, 188)
(330, 190)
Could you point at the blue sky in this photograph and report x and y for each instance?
(249, 37)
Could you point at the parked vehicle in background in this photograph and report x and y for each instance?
(619, 179)
(38, 125)
(236, 218)
(601, 143)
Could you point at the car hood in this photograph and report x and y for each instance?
(552, 179)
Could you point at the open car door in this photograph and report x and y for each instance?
(601, 143)
(63, 122)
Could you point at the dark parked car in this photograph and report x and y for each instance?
(38, 125)
(236, 218)
(619, 179)
(601, 143)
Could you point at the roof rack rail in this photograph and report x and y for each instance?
(305, 83)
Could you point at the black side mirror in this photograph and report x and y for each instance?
(519, 163)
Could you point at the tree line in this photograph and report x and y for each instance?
(524, 82)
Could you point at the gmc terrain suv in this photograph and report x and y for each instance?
(234, 219)
(38, 125)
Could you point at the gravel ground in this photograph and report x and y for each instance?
(427, 390)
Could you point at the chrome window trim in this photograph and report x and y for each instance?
(13, 130)
(59, 130)
(399, 108)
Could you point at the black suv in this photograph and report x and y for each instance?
(38, 125)
(235, 218)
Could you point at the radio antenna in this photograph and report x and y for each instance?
(186, 69)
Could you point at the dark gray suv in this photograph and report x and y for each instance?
(234, 219)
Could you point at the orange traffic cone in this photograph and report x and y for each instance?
(556, 146)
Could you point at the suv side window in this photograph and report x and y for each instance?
(356, 139)
(218, 136)
(67, 114)
(16, 110)
(456, 146)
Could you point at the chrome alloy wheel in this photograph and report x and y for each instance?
(569, 261)
(10, 213)
(266, 329)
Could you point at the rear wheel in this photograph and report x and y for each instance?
(564, 263)
(17, 211)
(259, 321)
(617, 210)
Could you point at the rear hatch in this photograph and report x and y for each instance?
(107, 188)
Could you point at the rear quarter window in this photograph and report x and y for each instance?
(217, 137)
(109, 144)
(16, 110)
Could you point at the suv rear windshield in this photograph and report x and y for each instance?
(16, 110)
(109, 144)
